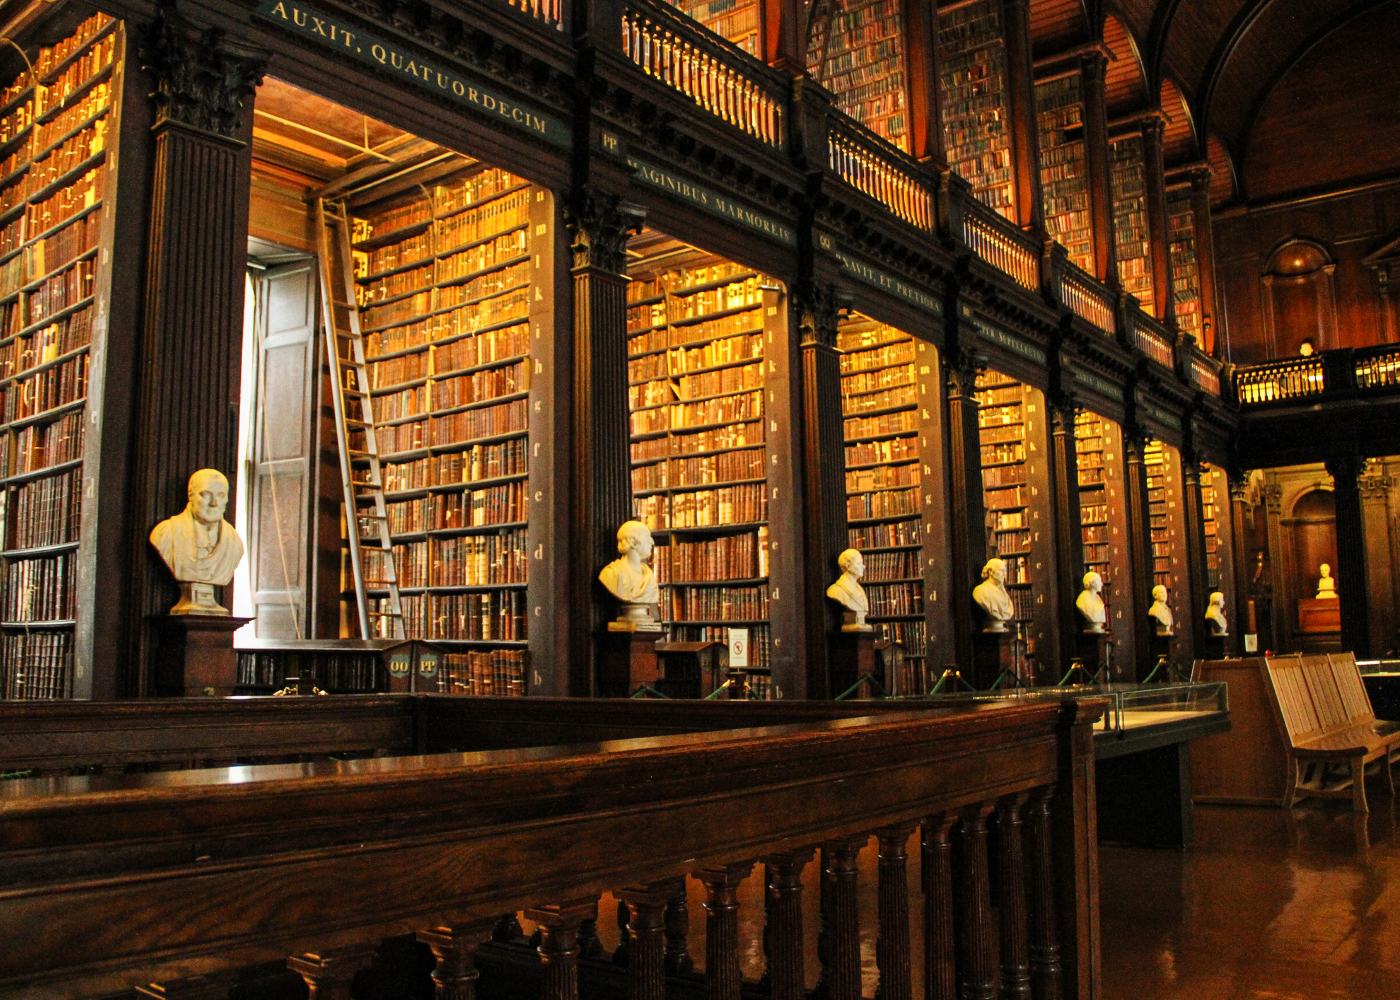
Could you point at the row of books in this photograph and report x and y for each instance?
(483, 319)
(897, 449)
(680, 360)
(704, 470)
(685, 416)
(884, 399)
(43, 445)
(882, 477)
(716, 603)
(1131, 237)
(498, 220)
(742, 556)
(683, 280)
(884, 423)
(47, 511)
(1064, 166)
(685, 388)
(487, 616)
(458, 468)
(40, 590)
(456, 561)
(887, 503)
(896, 373)
(468, 191)
(497, 673)
(36, 665)
(708, 508)
(64, 289)
(890, 599)
(46, 344)
(887, 535)
(441, 298)
(454, 430)
(438, 511)
(1186, 275)
(445, 270)
(696, 337)
(339, 672)
(739, 435)
(996, 478)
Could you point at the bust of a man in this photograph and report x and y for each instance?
(199, 546)
(631, 580)
(1161, 615)
(1215, 615)
(1090, 603)
(1326, 586)
(990, 595)
(848, 592)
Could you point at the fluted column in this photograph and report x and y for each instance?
(839, 947)
(977, 974)
(1139, 547)
(892, 946)
(599, 226)
(1069, 536)
(1093, 68)
(722, 973)
(678, 960)
(968, 527)
(1353, 571)
(936, 871)
(645, 934)
(1046, 971)
(454, 947)
(558, 948)
(1011, 867)
(1240, 566)
(1193, 504)
(328, 974)
(783, 942)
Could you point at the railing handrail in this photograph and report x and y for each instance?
(916, 206)
(1088, 297)
(1022, 263)
(1152, 338)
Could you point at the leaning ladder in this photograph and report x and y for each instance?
(366, 516)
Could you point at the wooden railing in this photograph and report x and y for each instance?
(550, 12)
(1378, 367)
(1280, 381)
(1205, 372)
(1001, 244)
(717, 75)
(1152, 338)
(879, 170)
(1087, 298)
(156, 878)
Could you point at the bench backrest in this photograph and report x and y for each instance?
(1297, 710)
(1326, 694)
(1318, 694)
(1352, 690)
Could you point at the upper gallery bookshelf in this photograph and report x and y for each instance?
(1064, 177)
(1103, 512)
(1215, 492)
(1131, 238)
(446, 282)
(734, 20)
(705, 348)
(57, 169)
(1167, 515)
(864, 66)
(891, 478)
(972, 82)
(1186, 276)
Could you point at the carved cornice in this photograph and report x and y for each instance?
(1375, 487)
(600, 224)
(201, 79)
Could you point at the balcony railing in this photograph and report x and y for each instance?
(1152, 338)
(1205, 373)
(879, 170)
(1280, 381)
(1087, 298)
(717, 75)
(1343, 373)
(1378, 368)
(1001, 244)
(550, 12)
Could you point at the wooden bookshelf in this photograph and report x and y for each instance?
(890, 470)
(1186, 274)
(864, 67)
(1064, 169)
(446, 281)
(58, 159)
(1167, 514)
(972, 85)
(1103, 514)
(1131, 235)
(735, 20)
(700, 365)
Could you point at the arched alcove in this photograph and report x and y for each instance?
(1299, 297)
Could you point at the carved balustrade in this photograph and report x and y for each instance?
(1280, 381)
(1001, 244)
(1152, 338)
(1088, 298)
(880, 171)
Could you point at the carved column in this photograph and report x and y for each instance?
(1211, 319)
(328, 974)
(824, 486)
(558, 948)
(783, 942)
(968, 527)
(1139, 590)
(936, 871)
(1380, 570)
(1353, 569)
(1046, 971)
(1280, 626)
(783, 29)
(977, 973)
(1194, 506)
(839, 944)
(1240, 567)
(1020, 109)
(722, 973)
(1093, 68)
(1011, 867)
(678, 960)
(646, 923)
(600, 483)
(454, 948)
(189, 363)
(892, 946)
(1158, 232)
(1069, 536)
(921, 81)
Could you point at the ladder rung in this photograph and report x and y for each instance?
(372, 516)
(386, 614)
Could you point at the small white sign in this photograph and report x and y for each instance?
(738, 647)
(1251, 642)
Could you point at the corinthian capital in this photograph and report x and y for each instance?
(201, 79)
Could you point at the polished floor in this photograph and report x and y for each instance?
(1266, 905)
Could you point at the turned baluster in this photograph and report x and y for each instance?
(328, 974)
(559, 945)
(976, 944)
(840, 950)
(892, 946)
(936, 868)
(619, 955)
(645, 931)
(589, 946)
(1046, 973)
(678, 960)
(783, 928)
(722, 976)
(454, 947)
(214, 987)
(1015, 965)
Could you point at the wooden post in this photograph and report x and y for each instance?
(1011, 904)
(921, 82)
(1240, 569)
(967, 528)
(558, 948)
(645, 937)
(892, 946)
(1205, 259)
(839, 948)
(1158, 231)
(783, 32)
(1353, 573)
(1380, 572)
(1076, 852)
(1069, 536)
(1046, 970)
(678, 960)
(936, 871)
(454, 947)
(1020, 102)
(722, 972)
(1093, 67)
(977, 972)
(783, 939)
(1194, 507)
(1138, 589)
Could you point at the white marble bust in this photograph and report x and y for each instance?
(1090, 604)
(1215, 615)
(631, 580)
(200, 548)
(1162, 622)
(990, 595)
(1326, 586)
(848, 592)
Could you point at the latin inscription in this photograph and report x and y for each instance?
(712, 201)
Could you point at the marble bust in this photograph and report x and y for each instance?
(1326, 586)
(1215, 615)
(1162, 622)
(632, 581)
(848, 592)
(1092, 612)
(200, 548)
(990, 595)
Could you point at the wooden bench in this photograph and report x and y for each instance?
(1332, 733)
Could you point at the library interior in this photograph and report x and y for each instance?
(908, 489)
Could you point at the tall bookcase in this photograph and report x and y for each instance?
(892, 476)
(1186, 275)
(972, 84)
(735, 20)
(449, 282)
(864, 67)
(1098, 444)
(1012, 434)
(1220, 555)
(1131, 236)
(1064, 171)
(1167, 514)
(704, 348)
(58, 131)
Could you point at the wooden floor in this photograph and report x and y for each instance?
(1266, 904)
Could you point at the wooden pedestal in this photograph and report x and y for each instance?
(852, 657)
(988, 658)
(626, 661)
(1091, 647)
(195, 655)
(1316, 616)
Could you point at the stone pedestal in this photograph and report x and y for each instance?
(195, 656)
(989, 658)
(852, 658)
(626, 661)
